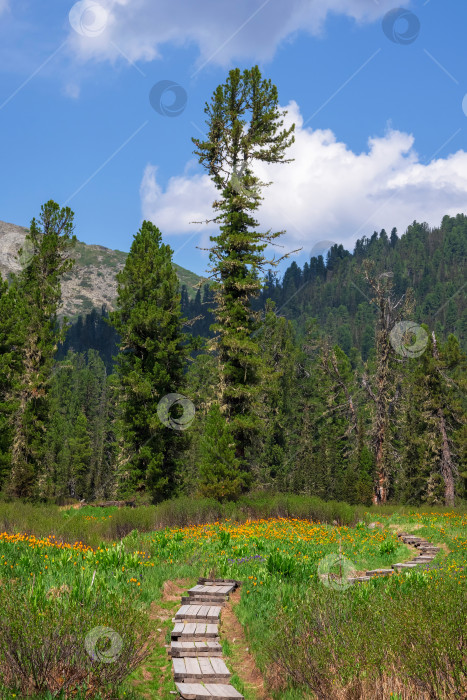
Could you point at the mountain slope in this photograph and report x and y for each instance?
(91, 283)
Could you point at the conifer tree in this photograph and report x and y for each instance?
(271, 464)
(220, 476)
(244, 126)
(11, 340)
(434, 387)
(150, 365)
(38, 291)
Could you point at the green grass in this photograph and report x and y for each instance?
(328, 640)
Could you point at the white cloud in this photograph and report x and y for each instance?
(328, 192)
(221, 29)
(4, 5)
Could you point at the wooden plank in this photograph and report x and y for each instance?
(211, 630)
(181, 612)
(196, 589)
(192, 610)
(380, 572)
(201, 628)
(215, 611)
(192, 691)
(208, 600)
(206, 666)
(225, 590)
(220, 668)
(221, 691)
(213, 582)
(201, 645)
(192, 666)
(179, 668)
(178, 629)
(178, 649)
(203, 611)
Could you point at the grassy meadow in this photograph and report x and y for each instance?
(67, 574)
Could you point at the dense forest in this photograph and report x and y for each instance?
(345, 379)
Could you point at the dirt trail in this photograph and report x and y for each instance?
(241, 661)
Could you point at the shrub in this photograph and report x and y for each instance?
(47, 640)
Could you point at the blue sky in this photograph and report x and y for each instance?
(381, 129)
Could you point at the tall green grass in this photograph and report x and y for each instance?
(71, 525)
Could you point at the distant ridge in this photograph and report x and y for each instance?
(91, 283)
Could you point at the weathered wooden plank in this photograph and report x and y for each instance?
(214, 582)
(359, 579)
(204, 600)
(192, 666)
(206, 666)
(380, 572)
(212, 630)
(221, 691)
(214, 612)
(220, 668)
(225, 590)
(204, 611)
(178, 629)
(177, 648)
(193, 691)
(190, 628)
(179, 668)
(202, 652)
(181, 612)
(196, 589)
(193, 611)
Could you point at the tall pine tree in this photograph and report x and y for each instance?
(244, 126)
(150, 365)
(37, 290)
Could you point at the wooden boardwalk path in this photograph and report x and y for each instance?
(199, 670)
(198, 667)
(427, 553)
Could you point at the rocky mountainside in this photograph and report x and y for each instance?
(91, 283)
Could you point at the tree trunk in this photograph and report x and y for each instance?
(446, 462)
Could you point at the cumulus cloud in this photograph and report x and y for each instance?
(221, 29)
(328, 192)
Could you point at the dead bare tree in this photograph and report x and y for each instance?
(381, 387)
